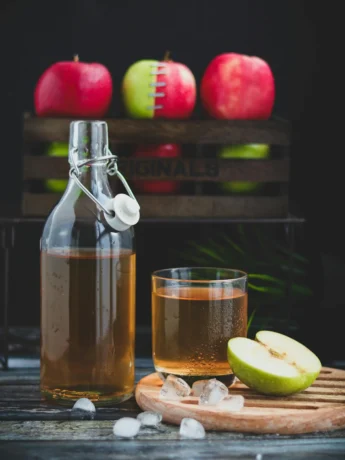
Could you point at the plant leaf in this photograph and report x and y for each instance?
(265, 277)
(234, 245)
(251, 317)
(270, 290)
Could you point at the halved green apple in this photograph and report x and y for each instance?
(273, 363)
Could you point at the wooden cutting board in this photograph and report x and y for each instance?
(321, 407)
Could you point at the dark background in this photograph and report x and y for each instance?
(302, 42)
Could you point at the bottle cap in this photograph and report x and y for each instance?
(127, 212)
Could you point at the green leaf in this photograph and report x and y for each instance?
(251, 317)
(293, 269)
(270, 290)
(211, 253)
(264, 277)
(234, 245)
(282, 267)
(294, 255)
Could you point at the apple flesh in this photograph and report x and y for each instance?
(245, 151)
(73, 89)
(236, 86)
(158, 89)
(57, 149)
(273, 363)
(157, 151)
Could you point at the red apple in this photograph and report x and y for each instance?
(74, 89)
(236, 86)
(155, 151)
(159, 89)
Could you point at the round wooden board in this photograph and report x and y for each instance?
(321, 407)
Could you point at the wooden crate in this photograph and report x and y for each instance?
(198, 168)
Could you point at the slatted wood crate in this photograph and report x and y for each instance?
(198, 168)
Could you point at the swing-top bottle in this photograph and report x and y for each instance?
(88, 276)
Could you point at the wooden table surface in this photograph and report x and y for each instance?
(31, 429)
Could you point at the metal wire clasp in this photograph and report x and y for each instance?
(112, 170)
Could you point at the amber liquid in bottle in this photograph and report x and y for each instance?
(88, 308)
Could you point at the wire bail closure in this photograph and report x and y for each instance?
(112, 170)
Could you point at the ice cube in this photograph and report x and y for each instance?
(83, 409)
(198, 386)
(174, 388)
(191, 428)
(84, 404)
(213, 392)
(233, 403)
(149, 418)
(126, 427)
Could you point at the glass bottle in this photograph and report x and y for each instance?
(88, 275)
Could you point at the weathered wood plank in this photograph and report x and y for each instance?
(37, 204)
(159, 131)
(30, 391)
(234, 447)
(102, 430)
(238, 449)
(182, 169)
(20, 410)
(19, 377)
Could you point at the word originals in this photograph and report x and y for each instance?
(153, 167)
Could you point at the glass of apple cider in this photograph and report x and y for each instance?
(195, 312)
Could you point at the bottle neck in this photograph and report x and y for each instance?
(88, 190)
(89, 141)
(95, 179)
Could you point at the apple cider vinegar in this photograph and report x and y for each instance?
(87, 323)
(191, 329)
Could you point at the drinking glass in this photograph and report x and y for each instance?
(195, 311)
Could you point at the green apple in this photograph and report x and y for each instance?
(245, 151)
(137, 84)
(57, 149)
(273, 363)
